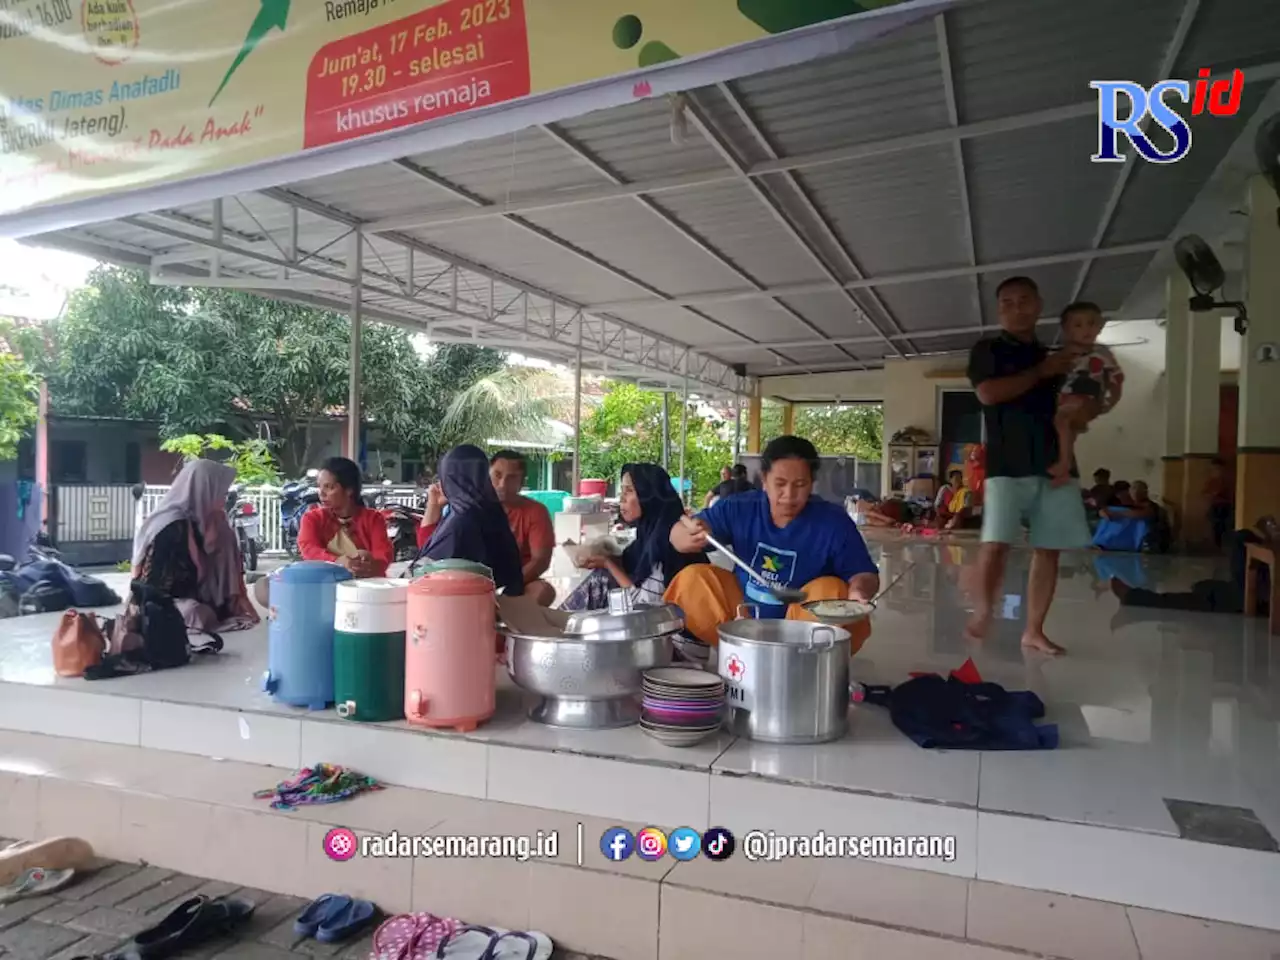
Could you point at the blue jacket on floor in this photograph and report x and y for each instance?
(950, 714)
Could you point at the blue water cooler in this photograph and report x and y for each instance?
(300, 636)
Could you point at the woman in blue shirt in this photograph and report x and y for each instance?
(784, 533)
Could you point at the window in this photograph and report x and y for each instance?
(69, 462)
(132, 463)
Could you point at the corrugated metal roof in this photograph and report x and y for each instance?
(895, 210)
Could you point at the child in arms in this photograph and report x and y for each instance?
(1093, 387)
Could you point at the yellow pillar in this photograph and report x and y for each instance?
(1258, 452)
(1204, 380)
(754, 409)
(1176, 331)
(788, 419)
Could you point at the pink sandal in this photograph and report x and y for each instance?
(412, 936)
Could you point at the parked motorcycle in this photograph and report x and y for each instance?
(402, 523)
(296, 498)
(247, 525)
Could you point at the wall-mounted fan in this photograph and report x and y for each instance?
(1205, 274)
(1267, 150)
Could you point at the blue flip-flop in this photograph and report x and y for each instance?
(357, 915)
(321, 912)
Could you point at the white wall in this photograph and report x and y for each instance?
(911, 390)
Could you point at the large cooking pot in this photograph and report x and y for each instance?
(589, 675)
(786, 681)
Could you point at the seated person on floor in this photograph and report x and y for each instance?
(953, 507)
(344, 530)
(530, 524)
(788, 535)
(476, 527)
(1099, 495)
(1128, 526)
(187, 549)
(647, 501)
(1209, 596)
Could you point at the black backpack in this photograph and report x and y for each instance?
(165, 640)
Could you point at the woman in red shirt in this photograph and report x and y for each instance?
(344, 530)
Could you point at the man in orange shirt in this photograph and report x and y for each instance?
(530, 523)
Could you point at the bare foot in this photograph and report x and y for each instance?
(1120, 589)
(979, 625)
(1042, 644)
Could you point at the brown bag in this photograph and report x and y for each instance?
(78, 644)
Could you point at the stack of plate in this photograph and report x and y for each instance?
(681, 706)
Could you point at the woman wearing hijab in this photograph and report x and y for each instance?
(647, 501)
(187, 549)
(344, 530)
(476, 526)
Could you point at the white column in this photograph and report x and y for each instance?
(737, 425)
(684, 427)
(577, 414)
(357, 323)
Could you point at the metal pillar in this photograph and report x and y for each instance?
(357, 308)
(737, 426)
(577, 415)
(684, 430)
(666, 430)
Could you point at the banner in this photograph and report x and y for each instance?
(105, 96)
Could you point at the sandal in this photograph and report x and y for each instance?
(525, 946)
(35, 882)
(411, 936)
(322, 910)
(464, 943)
(193, 922)
(349, 921)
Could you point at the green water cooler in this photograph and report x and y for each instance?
(368, 649)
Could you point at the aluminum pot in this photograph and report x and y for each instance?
(787, 681)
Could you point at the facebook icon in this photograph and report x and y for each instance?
(617, 844)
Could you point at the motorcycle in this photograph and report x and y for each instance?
(402, 523)
(247, 525)
(296, 498)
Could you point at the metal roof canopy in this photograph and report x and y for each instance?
(821, 216)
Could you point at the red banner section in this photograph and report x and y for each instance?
(454, 57)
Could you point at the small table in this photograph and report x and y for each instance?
(1256, 555)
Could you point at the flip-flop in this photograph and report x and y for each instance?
(520, 945)
(35, 882)
(192, 922)
(467, 942)
(56, 853)
(322, 910)
(349, 921)
(411, 936)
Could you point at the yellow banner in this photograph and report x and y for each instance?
(102, 96)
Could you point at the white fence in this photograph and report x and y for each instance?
(93, 513)
(267, 502)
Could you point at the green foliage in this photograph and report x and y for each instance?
(18, 409)
(252, 459)
(855, 430)
(222, 361)
(626, 427)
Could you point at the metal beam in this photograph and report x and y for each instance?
(1170, 60)
(672, 221)
(832, 341)
(862, 151)
(546, 235)
(811, 210)
(896, 279)
(957, 147)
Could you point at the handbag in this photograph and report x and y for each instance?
(78, 644)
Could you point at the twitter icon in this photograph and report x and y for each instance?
(684, 843)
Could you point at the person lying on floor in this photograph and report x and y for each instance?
(789, 536)
(648, 502)
(476, 527)
(1208, 596)
(344, 530)
(187, 549)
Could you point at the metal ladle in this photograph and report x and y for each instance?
(785, 594)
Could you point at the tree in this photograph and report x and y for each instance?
(855, 430)
(18, 409)
(252, 460)
(626, 427)
(223, 362)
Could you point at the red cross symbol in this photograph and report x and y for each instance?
(736, 668)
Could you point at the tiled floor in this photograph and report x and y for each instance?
(108, 905)
(1155, 714)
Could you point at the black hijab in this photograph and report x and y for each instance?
(476, 528)
(660, 509)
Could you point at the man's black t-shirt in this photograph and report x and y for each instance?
(1021, 440)
(728, 488)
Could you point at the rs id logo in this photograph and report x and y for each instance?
(1220, 98)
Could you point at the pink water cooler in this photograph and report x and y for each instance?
(593, 488)
(449, 668)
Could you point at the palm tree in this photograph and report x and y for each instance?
(514, 403)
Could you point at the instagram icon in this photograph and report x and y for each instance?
(651, 844)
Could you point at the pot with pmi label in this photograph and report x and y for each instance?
(786, 681)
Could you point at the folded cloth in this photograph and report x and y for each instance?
(322, 783)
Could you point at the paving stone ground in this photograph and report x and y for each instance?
(106, 906)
